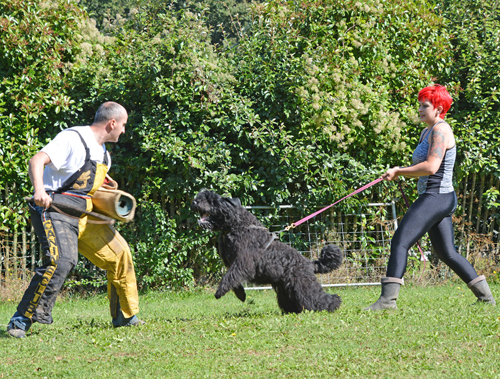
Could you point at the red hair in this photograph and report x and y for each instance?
(438, 96)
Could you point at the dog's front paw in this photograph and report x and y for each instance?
(240, 292)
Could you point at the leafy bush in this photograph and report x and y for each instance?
(37, 45)
(163, 255)
(341, 77)
(316, 99)
(475, 26)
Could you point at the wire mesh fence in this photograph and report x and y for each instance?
(21, 253)
(364, 238)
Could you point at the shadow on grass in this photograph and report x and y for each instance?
(247, 313)
(29, 334)
(92, 324)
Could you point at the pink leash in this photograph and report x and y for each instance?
(324, 209)
(293, 225)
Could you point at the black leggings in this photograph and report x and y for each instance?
(431, 213)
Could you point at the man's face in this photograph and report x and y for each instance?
(118, 127)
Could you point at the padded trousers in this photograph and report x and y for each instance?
(107, 249)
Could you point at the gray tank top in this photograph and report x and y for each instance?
(442, 180)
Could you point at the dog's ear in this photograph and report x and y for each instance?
(234, 201)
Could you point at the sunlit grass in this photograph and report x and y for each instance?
(435, 333)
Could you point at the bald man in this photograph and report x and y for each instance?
(67, 172)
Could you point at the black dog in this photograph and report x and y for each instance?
(252, 254)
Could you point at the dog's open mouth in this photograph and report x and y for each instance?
(204, 221)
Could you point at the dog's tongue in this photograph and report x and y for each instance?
(204, 217)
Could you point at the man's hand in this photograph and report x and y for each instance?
(42, 199)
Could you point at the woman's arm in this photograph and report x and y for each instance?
(438, 140)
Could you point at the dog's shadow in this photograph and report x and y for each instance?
(248, 313)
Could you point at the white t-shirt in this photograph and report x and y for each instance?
(67, 154)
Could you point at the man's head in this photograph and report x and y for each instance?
(108, 111)
(112, 117)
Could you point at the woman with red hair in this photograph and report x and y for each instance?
(433, 162)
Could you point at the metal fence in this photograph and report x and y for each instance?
(364, 238)
(20, 253)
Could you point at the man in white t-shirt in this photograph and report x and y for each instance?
(67, 172)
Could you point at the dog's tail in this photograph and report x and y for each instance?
(329, 259)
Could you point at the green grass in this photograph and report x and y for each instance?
(435, 333)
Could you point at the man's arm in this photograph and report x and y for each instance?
(35, 171)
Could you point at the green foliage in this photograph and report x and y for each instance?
(37, 45)
(341, 77)
(164, 256)
(184, 123)
(475, 26)
(305, 102)
(108, 12)
(227, 20)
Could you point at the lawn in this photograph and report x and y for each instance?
(435, 333)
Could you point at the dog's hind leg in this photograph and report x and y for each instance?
(334, 303)
(326, 302)
(286, 302)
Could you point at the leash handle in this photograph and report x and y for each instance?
(297, 223)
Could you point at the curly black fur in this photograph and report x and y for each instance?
(251, 254)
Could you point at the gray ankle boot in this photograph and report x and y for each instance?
(390, 292)
(479, 287)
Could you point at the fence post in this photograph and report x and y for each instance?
(464, 213)
(23, 273)
(7, 258)
(471, 203)
(484, 229)
(492, 225)
(14, 254)
(394, 214)
(479, 207)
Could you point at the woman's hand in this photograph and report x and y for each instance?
(391, 174)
